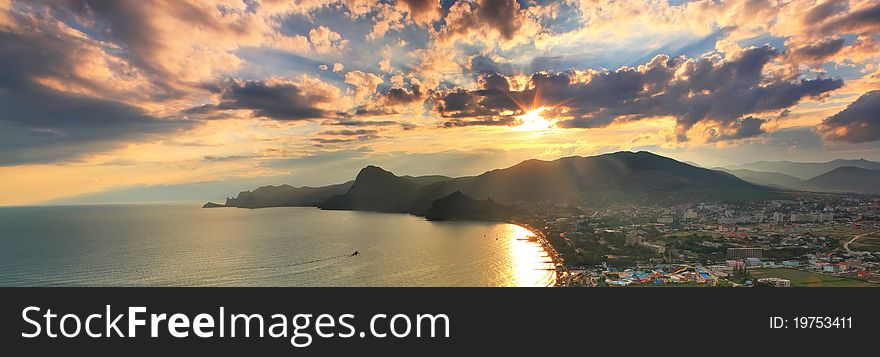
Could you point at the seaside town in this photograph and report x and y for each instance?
(815, 240)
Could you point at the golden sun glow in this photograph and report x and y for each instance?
(533, 121)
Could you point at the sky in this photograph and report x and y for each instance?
(118, 101)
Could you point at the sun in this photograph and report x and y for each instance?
(533, 121)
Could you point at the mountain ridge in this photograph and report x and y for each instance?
(847, 179)
(621, 177)
(805, 170)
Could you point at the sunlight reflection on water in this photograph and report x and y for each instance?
(175, 245)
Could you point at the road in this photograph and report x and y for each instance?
(846, 245)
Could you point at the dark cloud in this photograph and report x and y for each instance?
(332, 141)
(279, 101)
(132, 26)
(501, 16)
(216, 158)
(372, 111)
(42, 124)
(359, 134)
(481, 64)
(858, 123)
(825, 10)
(493, 81)
(818, 52)
(400, 96)
(349, 132)
(363, 122)
(461, 103)
(390, 101)
(710, 89)
(505, 121)
(865, 20)
(423, 11)
(740, 129)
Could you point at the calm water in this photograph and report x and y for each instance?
(176, 245)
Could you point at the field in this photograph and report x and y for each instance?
(807, 279)
(869, 243)
(846, 232)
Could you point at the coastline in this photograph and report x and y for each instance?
(554, 255)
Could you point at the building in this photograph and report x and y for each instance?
(735, 263)
(812, 217)
(791, 263)
(743, 253)
(776, 282)
(831, 268)
(778, 217)
(737, 220)
(666, 220)
(690, 215)
(659, 249)
(760, 217)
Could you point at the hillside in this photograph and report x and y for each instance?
(597, 180)
(286, 195)
(375, 189)
(806, 170)
(764, 178)
(846, 179)
(458, 206)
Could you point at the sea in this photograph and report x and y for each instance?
(186, 245)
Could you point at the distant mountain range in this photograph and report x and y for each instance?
(621, 177)
(772, 179)
(858, 176)
(806, 170)
(846, 179)
(287, 196)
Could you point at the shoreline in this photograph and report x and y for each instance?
(545, 244)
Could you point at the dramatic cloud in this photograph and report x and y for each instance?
(331, 141)
(274, 99)
(423, 11)
(858, 123)
(817, 53)
(825, 10)
(326, 41)
(489, 20)
(741, 129)
(505, 121)
(178, 42)
(350, 135)
(358, 132)
(396, 96)
(859, 21)
(169, 87)
(364, 83)
(48, 108)
(363, 123)
(711, 89)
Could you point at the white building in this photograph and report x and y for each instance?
(778, 217)
(812, 217)
(776, 282)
